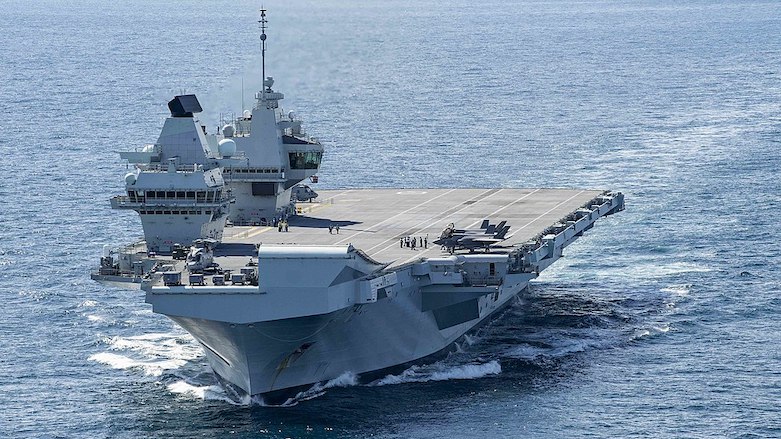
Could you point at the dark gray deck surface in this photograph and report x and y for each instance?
(373, 220)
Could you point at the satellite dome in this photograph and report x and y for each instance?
(227, 148)
(247, 114)
(130, 179)
(228, 131)
(291, 114)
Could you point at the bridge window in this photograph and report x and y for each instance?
(305, 160)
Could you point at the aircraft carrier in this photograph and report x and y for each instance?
(285, 287)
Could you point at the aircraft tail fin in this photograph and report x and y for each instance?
(502, 233)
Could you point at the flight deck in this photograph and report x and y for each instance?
(377, 221)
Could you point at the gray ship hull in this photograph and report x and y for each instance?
(266, 357)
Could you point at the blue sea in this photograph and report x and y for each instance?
(663, 321)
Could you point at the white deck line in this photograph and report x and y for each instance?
(478, 221)
(347, 239)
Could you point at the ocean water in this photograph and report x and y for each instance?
(663, 321)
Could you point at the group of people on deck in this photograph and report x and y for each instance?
(413, 242)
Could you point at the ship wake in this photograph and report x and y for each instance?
(440, 371)
(152, 354)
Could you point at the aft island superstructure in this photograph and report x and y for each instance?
(295, 292)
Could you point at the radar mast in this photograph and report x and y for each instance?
(263, 23)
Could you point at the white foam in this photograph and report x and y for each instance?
(655, 270)
(662, 328)
(651, 331)
(114, 361)
(153, 353)
(527, 352)
(158, 345)
(469, 340)
(346, 379)
(150, 368)
(95, 318)
(639, 268)
(206, 393)
(88, 303)
(468, 372)
(681, 290)
(561, 343)
(421, 374)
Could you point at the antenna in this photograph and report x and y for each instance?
(242, 93)
(263, 22)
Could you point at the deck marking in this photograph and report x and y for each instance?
(504, 207)
(450, 211)
(394, 216)
(312, 207)
(549, 211)
(418, 256)
(325, 203)
(258, 232)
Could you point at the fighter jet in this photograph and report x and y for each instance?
(471, 239)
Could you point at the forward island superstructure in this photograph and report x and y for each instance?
(295, 292)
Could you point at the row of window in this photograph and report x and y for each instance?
(305, 160)
(174, 212)
(201, 196)
(251, 170)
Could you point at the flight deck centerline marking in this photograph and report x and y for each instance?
(484, 195)
(394, 216)
(418, 256)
